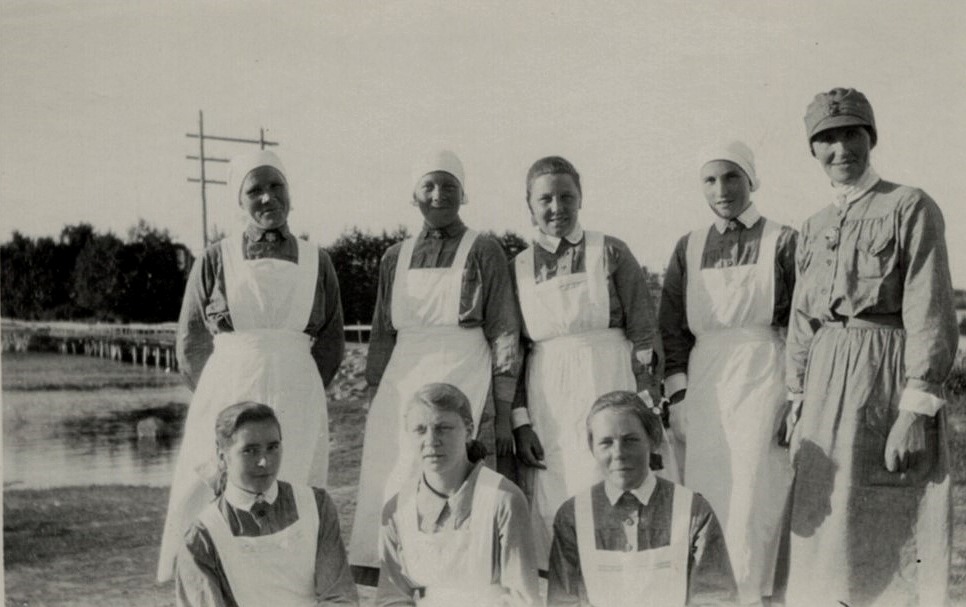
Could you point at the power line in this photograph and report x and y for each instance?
(202, 159)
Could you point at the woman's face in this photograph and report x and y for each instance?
(264, 197)
(252, 459)
(843, 153)
(726, 188)
(554, 204)
(439, 437)
(621, 447)
(439, 196)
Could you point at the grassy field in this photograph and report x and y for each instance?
(98, 545)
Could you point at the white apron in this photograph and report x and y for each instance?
(616, 578)
(430, 347)
(454, 566)
(736, 392)
(277, 569)
(576, 358)
(266, 359)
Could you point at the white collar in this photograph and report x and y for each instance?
(244, 500)
(850, 192)
(748, 218)
(642, 493)
(550, 243)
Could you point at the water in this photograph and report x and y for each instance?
(72, 420)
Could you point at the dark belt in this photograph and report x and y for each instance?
(866, 321)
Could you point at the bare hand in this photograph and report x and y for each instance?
(906, 444)
(529, 449)
(790, 414)
(504, 436)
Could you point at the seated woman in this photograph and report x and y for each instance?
(460, 533)
(261, 541)
(634, 538)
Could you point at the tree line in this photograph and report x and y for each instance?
(85, 275)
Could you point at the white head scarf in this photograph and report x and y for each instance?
(735, 152)
(244, 164)
(439, 160)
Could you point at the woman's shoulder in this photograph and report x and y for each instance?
(906, 199)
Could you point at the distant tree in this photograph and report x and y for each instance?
(152, 285)
(86, 275)
(97, 278)
(16, 284)
(511, 242)
(355, 255)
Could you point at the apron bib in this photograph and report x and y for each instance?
(266, 359)
(430, 347)
(454, 566)
(277, 569)
(735, 394)
(616, 578)
(576, 359)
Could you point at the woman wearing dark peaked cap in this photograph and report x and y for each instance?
(872, 337)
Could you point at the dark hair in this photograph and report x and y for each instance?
(447, 397)
(230, 420)
(552, 165)
(628, 402)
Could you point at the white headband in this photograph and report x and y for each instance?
(735, 152)
(242, 165)
(441, 160)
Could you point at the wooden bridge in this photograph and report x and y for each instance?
(136, 343)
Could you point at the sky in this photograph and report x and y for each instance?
(96, 99)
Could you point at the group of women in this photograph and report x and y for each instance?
(834, 341)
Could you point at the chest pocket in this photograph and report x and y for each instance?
(875, 247)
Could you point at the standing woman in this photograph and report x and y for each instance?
(872, 338)
(590, 319)
(261, 320)
(724, 309)
(444, 313)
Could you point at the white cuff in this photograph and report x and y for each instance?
(644, 356)
(519, 417)
(920, 402)
(675, 383)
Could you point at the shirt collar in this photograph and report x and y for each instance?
(748, 218)
(257, 233)
(850, 192)
(430, 503)
(551, 243)
(642, 493)
(451, 231)
(244, 500)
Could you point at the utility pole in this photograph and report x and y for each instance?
(202, 159)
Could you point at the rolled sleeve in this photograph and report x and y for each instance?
(711, 580)
(195, 343)
(676, 337)
(640, 325)
(329, 345)
(394, 587)
(333, 579)
(198, 579)
(565, 579)
(518, 563)
(501, 318)
(800, 330)
(382, 338)
(927, 306)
